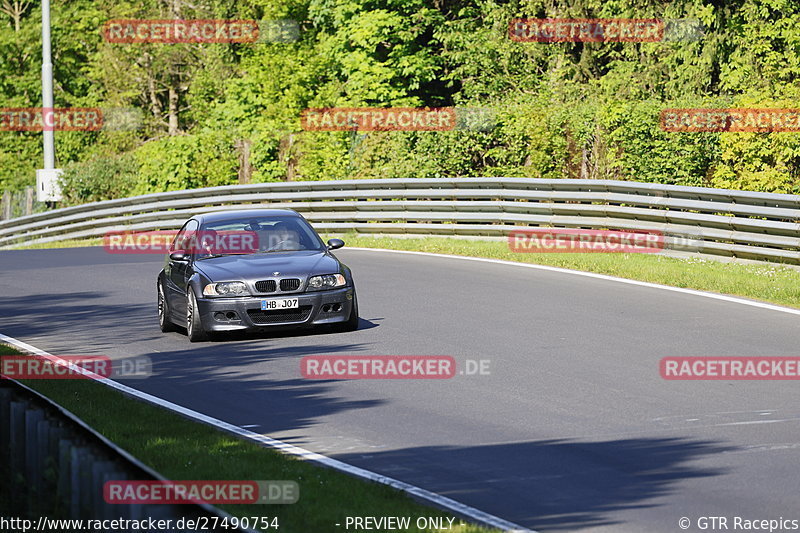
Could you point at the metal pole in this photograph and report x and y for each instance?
(47, 87)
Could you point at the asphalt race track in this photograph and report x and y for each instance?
(574, 429)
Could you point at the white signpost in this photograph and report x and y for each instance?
(47, 188)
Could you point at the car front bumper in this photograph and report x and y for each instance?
(315, 308)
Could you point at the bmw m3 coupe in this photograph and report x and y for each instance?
(253, 270)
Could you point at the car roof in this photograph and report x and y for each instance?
(231, 215)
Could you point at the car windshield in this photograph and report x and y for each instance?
(256, 234)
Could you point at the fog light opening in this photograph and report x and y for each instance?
(326, 308)
(337, 308)
(230, 315)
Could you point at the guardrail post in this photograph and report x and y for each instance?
(50, 432)
(65, 471)
(16, 451)
(5, 429)
(82, 481)
(33, 458)
(52, 465)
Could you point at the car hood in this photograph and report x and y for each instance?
(261, 266)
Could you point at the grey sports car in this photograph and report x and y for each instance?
(253, 270)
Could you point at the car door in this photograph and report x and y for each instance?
(178, 273)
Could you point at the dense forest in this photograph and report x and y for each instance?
(216, 114)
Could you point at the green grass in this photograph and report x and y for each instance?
(74, 243)
(181, 449)
(766, 282)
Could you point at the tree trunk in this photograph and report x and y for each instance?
(286, 153)
(584, 163)
(155, 105)
(245, 168)
(15, 10)
(173, 111)
(28, 200)
(175, 9)
(5, 212)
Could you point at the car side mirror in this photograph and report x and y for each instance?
(335, 244)
(178, 255)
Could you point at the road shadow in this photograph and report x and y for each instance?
(220, 379)
(102, 316)
(551, 485)
(283, 333)
(97, 313)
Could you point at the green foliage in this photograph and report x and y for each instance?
(383, 52)
(205, 159)
(101, 178)
(562, 110)
(766, 162)
(641, 151)
(759, 162)
(20, 156)
(325, 155)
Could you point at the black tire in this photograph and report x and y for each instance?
(194, 326)
(164, 322)
(351, 324)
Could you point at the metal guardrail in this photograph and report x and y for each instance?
(751, 225)
(52, 464)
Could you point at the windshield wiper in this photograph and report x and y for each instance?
(211, 256)
(272, 251)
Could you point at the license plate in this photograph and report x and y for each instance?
(283, 303)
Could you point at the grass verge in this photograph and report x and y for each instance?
(74, 243)
(182, 449)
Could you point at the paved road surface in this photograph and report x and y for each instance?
(573, 430)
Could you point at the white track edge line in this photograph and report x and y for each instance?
(482, 517)
(694, 292)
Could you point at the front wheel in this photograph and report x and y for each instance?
(194, 326)
(164, 322)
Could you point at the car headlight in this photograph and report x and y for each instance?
(226, 288)
(327, 281)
